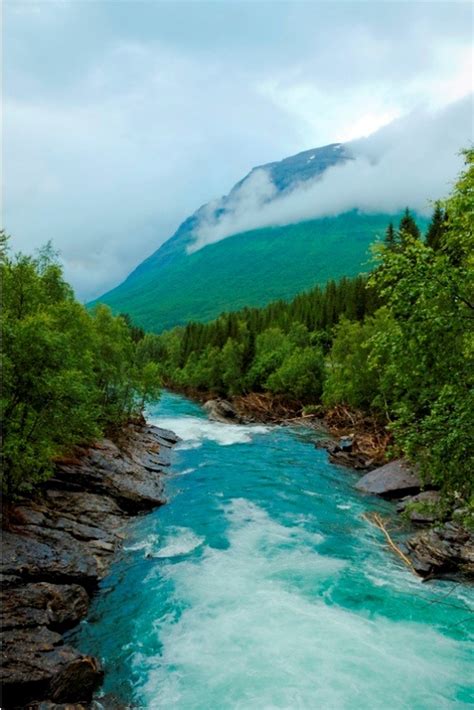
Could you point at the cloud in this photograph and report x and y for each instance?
(121, 118)
(410, 162)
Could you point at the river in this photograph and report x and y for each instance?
(260, 586)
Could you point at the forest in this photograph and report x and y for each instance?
(397, 343)
(69, 375)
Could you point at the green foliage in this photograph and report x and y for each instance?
(408, 229)
(68, 375)
(437, 228)
(272, 347)
(278, 348)
(390, 237)
(358, 365)
(430, 295)
(412, 363)
(300, 375)
(174, 287)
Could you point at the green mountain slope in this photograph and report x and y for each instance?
(249, 269)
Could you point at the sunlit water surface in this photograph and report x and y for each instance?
(261, 586)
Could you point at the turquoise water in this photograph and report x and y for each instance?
(260, 586)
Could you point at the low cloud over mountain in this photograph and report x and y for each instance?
(412, 161)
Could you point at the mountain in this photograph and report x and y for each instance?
(179, 283)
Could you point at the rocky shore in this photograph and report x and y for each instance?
(436, 548)
(56, 547)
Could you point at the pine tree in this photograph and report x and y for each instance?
(390, 237)
(407, 228)
(437, 228)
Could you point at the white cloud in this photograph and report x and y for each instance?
(410, 162)
(121, 118)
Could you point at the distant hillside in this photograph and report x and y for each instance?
(252, 268)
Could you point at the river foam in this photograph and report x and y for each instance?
(193, 431)
(261, 586)
(257, 632)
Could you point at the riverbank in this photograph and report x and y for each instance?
(430, 547)
(369, 438)
(57, 546)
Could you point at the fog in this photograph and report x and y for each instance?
(411, 162)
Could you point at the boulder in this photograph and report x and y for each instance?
(220, 410)
(37, 663)
(423, 512)
(77, 680)
(393, 480)
(57, 606)
(447, 548)
(50, 556)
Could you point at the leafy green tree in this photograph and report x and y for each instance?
(300, 376)
(68, 375)
(231, 360)
(431, 297)
(47, 371)
(358, 366)
(272, 346)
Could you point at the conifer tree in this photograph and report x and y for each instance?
(408, 227)
(390, 237)
(437, 228)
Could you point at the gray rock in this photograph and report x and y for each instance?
(48, 558)
(56, 606)
(393, 480)
(37, 664)
(447, 548)
(220, 410)
(165, 437)
(425, 513)
(56, 550)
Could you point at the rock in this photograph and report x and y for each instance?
(58, 546)
(447, 548)
(425, 511)
(122, 473)
(346, 443)
(57, 606)
(354, 460)
(346, 456)
(51, 557)
(220, 410)
(77, 681)
(37, 663)
(164, 437)
(393, 480)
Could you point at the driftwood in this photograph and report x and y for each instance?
(266, 407)
(376, 520)
(370, 438)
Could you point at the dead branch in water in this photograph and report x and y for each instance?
(376, 520)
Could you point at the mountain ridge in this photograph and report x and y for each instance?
(176, 283)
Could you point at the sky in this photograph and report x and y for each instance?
(122, 118)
